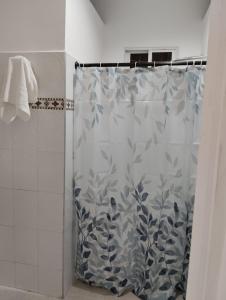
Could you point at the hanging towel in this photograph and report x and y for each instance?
(20, 89)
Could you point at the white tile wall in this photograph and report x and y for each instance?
(32, 188)
(26, 246)
(51, 172)
(31, 203)
(7, 273)
(68, 261)
(25, 169)
(51, 125)
(25, 209)
(26, 277)
(6, 168)
(6, 207)
(69, 135)
(24, 134)
(6, 245)
(49, 210)
(6, 136)
(50, 250)
(50, 282)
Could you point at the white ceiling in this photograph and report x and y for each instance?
(102, 6)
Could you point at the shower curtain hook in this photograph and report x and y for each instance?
(154, 64)
(193, 63)
(135, 64)
(187, 66)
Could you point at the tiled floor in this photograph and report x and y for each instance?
(78, 292)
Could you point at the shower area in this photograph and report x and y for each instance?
(97, 189)
(136, 137)
(137, 118)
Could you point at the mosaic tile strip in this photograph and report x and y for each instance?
(69, 104)
(53, 104)
(48, 103)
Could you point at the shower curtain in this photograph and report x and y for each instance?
(136, 142)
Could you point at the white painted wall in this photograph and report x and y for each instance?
(207, 271)
(31, 25)
(151, 23)
(206, 25)
(46, 25)
(51, 25)
(83, 31)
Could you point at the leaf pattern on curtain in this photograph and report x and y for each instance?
(136, 143)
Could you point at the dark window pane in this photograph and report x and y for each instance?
(138, 57)
(161, 56)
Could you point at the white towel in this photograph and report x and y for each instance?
(20, 89)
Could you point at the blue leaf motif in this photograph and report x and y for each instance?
(166, 286)
(145, 210)
(113, 202)
(140, 187)
(77, 192)
(123, 283)
(88, 275)
(100, 108)
(113, 257)
(144, 196)
(86, 254)
(142, 217)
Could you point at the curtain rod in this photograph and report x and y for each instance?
(144, 64)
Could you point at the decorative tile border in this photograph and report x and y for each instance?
(48, 103)
(69, 104)
(53, 104)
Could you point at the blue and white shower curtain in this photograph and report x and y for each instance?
(136, 143)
